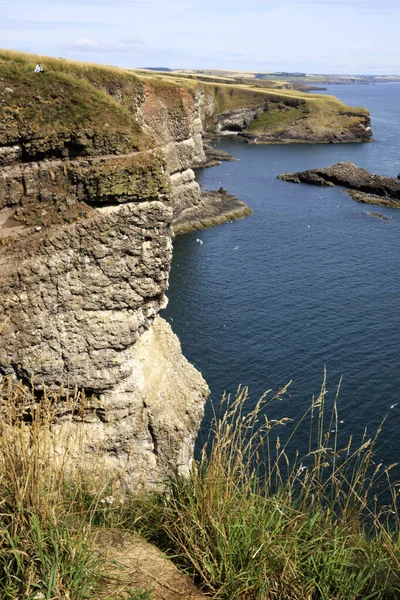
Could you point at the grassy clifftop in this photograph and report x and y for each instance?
(89, 104)
(289, 115)
(78, 108)
(276, 114)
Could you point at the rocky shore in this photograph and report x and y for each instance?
(213, 156)
(362, 186)
(215, 208)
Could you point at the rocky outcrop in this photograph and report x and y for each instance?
(272, 117)
(79, 301)
(143, 428)
(215, 208)
(86, 246)
(76, 295)
(213, 156)
(364, 186)
(80, 296)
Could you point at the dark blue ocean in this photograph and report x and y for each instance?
(309, 281)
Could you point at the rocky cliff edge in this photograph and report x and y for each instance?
(96, 165)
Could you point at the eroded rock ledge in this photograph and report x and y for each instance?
(213, 156)
(215, 208)
(362, 185)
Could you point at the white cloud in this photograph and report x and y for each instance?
(85, 44)
(305, 35)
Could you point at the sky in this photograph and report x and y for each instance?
(313, 36)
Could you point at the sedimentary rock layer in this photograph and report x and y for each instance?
(86, 246)
(96, 168)
(215, 208)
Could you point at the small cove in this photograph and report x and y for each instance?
(309, 281)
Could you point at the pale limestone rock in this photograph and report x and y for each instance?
(10, 154)
(144, 429)
(83, 276)
(174, 120)
(81, 294)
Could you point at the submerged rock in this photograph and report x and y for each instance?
(364, 198)
(377, 215)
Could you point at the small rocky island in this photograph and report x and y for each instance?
(361, 185)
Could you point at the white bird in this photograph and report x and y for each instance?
(393, 405)
(199, 241)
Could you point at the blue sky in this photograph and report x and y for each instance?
(319, 36)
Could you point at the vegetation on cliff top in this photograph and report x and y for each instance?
(253, 520)
(93, 108)
(81, 101)
(285, 78)
(309, 116)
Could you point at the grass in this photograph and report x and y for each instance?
(253, 523)
(275, 119)
(83, 103)
(92, 109)
(254, 520)
(41, 553)
(48, 510)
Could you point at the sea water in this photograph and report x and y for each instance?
(309, 282)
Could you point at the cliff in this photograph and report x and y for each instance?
(287, 116)
(94, 164)
(96, 170)
(269, 112)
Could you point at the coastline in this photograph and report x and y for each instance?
(215, 208)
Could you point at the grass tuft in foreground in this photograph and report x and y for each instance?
(251, 523)
(253, 520)
(49, 509)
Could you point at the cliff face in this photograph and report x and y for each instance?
(86, 245)
(172, 117)
(79, 302)
(95, 168)
(280, 117)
